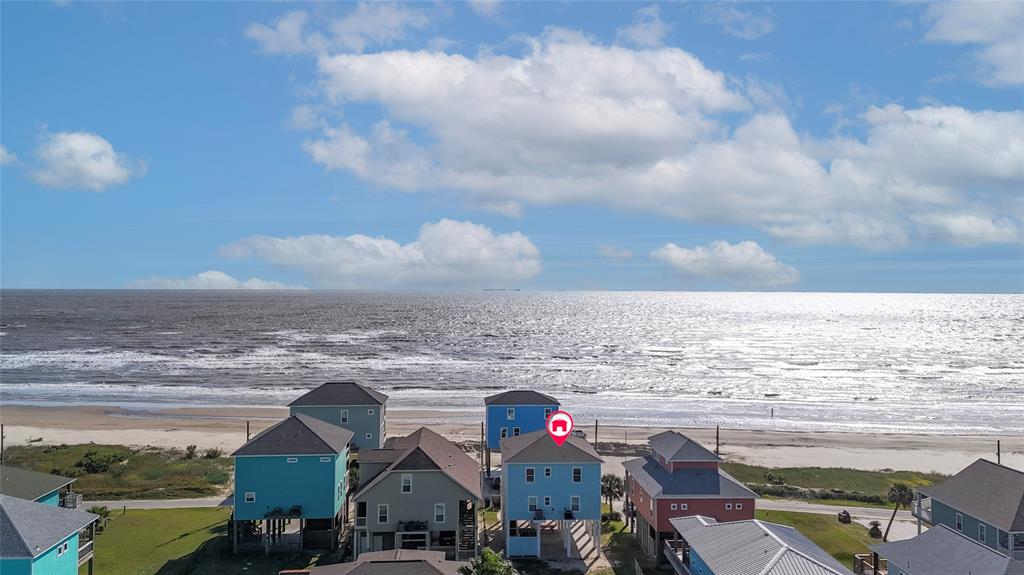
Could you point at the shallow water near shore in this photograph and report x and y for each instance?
(942, 364)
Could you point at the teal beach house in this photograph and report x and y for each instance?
(291, 486)
(350, 405)
(41, 487)
(43, 539)
(543, 483)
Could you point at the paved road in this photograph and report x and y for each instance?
(162, 503)
(868, 513)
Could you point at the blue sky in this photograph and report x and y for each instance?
(797, 146)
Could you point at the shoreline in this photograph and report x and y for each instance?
(225, 428)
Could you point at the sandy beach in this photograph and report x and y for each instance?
(225, 428)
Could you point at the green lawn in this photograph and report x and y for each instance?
(120, 472)
(839, 540)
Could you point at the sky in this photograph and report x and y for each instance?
(798, 146)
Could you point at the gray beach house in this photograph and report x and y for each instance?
(350, 405)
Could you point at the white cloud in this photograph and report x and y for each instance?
(82, 160)
(740, 23)
(447, 253)
(367, 24)
(211, 279)
(305, 117)
(966, 229)
(648, 30)
(994, 27)
(614, 253)
(7, 157)
(486, 8)
(744, 264)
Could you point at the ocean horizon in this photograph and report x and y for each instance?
(792, 361)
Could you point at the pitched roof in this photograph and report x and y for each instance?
(29, 484)
(29, 528)
(942, 550)
(675, 446)
(987, 491)
(755, 547)
(520, 397)
(298, 435)
(394, 562)
(425, 450)
(341, 393)
(693, 483)
(538, 447)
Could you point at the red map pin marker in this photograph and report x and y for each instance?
(559, 426)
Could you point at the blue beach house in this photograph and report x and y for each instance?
(291, 485)
(350, 405)
(39, 487)
(44, 539)
(546, 490)
(515, 413)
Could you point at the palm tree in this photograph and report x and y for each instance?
(901, 495)
(488, 563)
(612, 488)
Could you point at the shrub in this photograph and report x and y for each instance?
(92, 462)
(190, 452)
(213, 453)
(217, 477)
(611, 516)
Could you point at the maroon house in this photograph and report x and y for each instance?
(678, 479)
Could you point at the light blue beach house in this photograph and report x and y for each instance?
(44, 539)
(546, 489)
(350, 405)
(291, 486)
(40, 487)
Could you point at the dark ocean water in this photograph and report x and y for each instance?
(889, 362)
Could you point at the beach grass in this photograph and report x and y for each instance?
(121, 472)
(850, 487)
(839, 540)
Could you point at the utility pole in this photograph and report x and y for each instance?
(595, 434)
(246, 430)
(717, 429)
(1, 443)
(999, 452)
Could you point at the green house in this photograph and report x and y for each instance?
(43, 539)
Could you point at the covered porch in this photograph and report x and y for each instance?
(286, 531)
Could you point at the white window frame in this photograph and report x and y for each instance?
(510, 414)
(405, 477)
(728, 506)
(574, 503)
(247, 497)
(547, 413)
(684, 506)
(369, 411)
(674, 507)
(547, 472)
(292, 460)
(515, 432)
(504, 432)
(576, 470)
(369, 436)
(960, 522)
(982, 532)
(386, 515)
(547, 501)
(531, 503)
(739, 506)
(443, 514)
(530, 475)
(343, 416)
(325, 460)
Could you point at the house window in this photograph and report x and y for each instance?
(293, 460)
(739, 506)
(960, 522)
(439, 513)
(504, 432)
(382, 513)
(547, 472)
(684, 506)
(728, 506)
(369, 436)
(341, 489)
(510, 413)
(531, 502)
(547, 413)
(369, 411)
(574, 503)
(547, 501)
(981, 532)
(674, 507)
(529, 474)
(652, 505)
(1004, 540)
(325, 460)
(250, 497)
(406, 483)
(515, 432)
(577, 475)
(344, 416)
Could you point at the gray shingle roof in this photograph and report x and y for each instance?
(341, 393)
(684, 483)
(988, 491)
(755, 547)
(424, 450)
(538, 447)
(29, 484)
(520, 397)
(396, 562)
(675, 446)
(28, 528)
(942, 550)
(298, 435)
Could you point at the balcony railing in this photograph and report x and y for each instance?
(71, 500)
(673, 551)
(922, 509)
(84, 552)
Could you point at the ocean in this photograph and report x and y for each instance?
(943, 364)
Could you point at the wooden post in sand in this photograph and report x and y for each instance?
(999, 452)
(247, 430)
